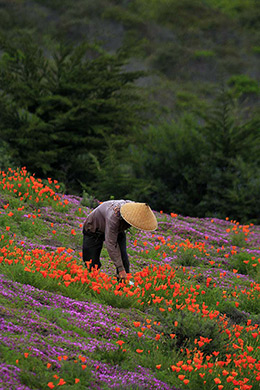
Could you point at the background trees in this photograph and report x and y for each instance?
(136, 115)
(62, 113)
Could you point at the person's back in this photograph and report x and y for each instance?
(105, 217)
(108, 223)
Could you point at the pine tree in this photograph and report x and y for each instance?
(60, 109)
(232, 160)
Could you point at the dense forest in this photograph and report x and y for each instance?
(150, 100)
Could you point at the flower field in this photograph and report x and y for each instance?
(189, 319)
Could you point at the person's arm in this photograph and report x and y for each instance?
(111, 235)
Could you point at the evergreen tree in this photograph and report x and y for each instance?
(211, 169)
(60, 109)
(168, 160)
(233, 162)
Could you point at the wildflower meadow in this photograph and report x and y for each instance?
(187, 318)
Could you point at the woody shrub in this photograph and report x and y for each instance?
(244, 85)
(189, 257)
(116, 356)
(238, 239)
(250, 302)
(89, 200)
(119, 301)
(231, 161)
(70, 369)
(65, 106)
(234, 315)
(190, 327)
(242, 262)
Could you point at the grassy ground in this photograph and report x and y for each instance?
(190, 320)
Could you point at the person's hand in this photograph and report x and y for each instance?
(122, 275)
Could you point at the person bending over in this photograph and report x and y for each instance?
(108, 223)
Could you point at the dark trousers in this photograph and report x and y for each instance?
(92, 245)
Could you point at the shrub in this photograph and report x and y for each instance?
(89, 200)
(170, 59)
(233, 313)
(256, 49)
(243, 84)
(238, 239)
(111, 356)
(191, 327)
(200, 54)
(242, 262)
(189, 257)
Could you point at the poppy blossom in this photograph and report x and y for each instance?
(61, 382)
(120, 342)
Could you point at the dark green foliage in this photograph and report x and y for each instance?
(211, 169)
(171, 59)
(242, 262)
(189, 330)
(233, 314)
(115, 357)
(116, 177)
(232, 161)
(89, 200)
(238, 239)
(173, 12)
(244, 85)
(169, 156)
(189, 257)
(36, 375)
(59, 112)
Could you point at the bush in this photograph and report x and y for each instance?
(203, 54)
(115, 357)
(243, 263)
(234, 314)
(243, 84)
(238, 239)
(189, 330)
(170, 59)
(189, 257)
(89, 200)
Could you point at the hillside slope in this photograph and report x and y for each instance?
(191, 316)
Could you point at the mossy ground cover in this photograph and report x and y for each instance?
(190, 319)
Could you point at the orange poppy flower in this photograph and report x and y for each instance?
(120, 342)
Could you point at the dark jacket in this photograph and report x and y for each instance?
(106, 218)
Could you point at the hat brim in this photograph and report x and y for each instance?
(139, 215)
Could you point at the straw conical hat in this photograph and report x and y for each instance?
(139, 215)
